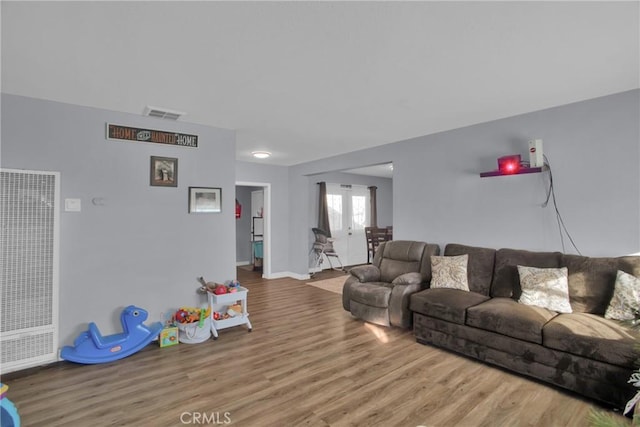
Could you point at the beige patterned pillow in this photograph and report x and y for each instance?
(449, 272)
(545, 287)
(626, 298)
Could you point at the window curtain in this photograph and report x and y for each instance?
(323, 209)
(374, 206)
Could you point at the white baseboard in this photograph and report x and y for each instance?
(281, 274)
(241, 263)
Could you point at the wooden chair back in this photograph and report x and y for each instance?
(375, 236)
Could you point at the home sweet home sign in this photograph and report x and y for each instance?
(126, 133)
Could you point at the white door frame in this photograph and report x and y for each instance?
(266, 262)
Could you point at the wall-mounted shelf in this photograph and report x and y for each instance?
(520, 172)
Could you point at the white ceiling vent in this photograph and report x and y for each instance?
(162, 113)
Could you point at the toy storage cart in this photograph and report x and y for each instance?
(221, 303)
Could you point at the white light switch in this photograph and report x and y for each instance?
(72, 205)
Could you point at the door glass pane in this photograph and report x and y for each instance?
(359, 212)
(334, 202)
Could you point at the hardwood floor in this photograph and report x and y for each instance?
(307, 362)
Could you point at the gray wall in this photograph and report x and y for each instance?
(142, 246)
(593, 147)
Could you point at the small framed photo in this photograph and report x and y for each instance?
(164, 172)
(205, 200)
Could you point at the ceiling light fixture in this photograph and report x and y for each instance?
(261, 154)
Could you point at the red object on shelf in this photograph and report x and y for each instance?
(509, 164)
(238, 209)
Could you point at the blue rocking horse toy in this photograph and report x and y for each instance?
(9, 416)
(90, 347)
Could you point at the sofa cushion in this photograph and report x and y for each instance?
(374, 294)
(507, 317)
(625, 303)
(545, 287)
(446, 304)
(479, 266)
(506, 281)
(591, 280)
(592, 336)
(397, 257)
(449, 272)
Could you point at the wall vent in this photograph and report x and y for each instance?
(29, 226)
(162, 113)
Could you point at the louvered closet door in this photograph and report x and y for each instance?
(29, 206)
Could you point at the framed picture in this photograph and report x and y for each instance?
(205, 200)
(164, 171)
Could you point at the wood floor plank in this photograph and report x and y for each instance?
(307, 362)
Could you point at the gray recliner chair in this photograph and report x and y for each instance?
(379, 293)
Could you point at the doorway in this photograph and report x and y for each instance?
(348, 216)
(253, 226)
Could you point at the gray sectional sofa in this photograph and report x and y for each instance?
(581, 351)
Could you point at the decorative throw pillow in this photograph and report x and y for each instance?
(545, 287)
(449, 272)
(625, 302)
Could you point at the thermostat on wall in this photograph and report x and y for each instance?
(536, 156)
(72, 205)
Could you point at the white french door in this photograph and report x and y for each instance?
(348, 216)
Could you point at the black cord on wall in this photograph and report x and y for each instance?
(551, 194)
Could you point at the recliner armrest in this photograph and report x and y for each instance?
(366, 273)
(413, 278)
(399, 313)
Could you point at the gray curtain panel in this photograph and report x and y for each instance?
(323, 209)
(374, 206)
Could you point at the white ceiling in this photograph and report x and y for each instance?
(306, 80)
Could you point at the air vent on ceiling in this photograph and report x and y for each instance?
(162, 113)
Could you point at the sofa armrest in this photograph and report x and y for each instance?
(399, 313)
(366, 273)
(346, 291)
(413, 278)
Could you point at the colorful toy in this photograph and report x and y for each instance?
(90, 347)
(168, 336)
(196, 327)
(181, 316)
(192, 315)
(8, 413)
(229, 286)
(207, 286)
(203, 315)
